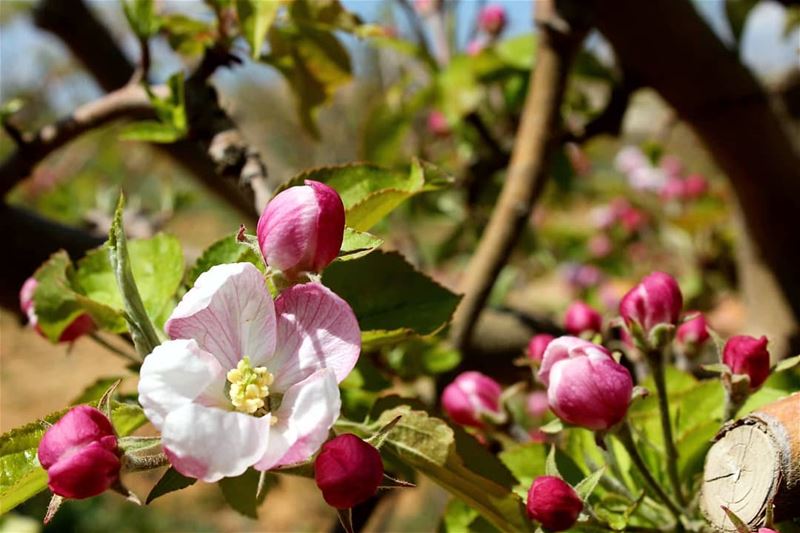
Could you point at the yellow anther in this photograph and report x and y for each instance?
(249, 386)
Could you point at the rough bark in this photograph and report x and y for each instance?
(721, 100)
(755, 464)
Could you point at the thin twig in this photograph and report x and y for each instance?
(530, 161)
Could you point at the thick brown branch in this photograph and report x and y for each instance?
(530, 161)
(130, 102)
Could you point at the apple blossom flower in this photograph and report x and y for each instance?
(471, 397)
(582, 318)
(630, 158)
(585, 385)
(246, 381)
(348, 471)
(749, 356)
(693, 332)
(80, 325)
(647, 178)
(656, 300)
(674, 189)
(302, 228)
(553, 503)
(696, 186)
(79, 453)
(492, 19)
(537, 346)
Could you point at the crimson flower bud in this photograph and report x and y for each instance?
(553, 503)
(302, 228)
(586, 387)
(693, 332)
(81, 325)
(437, 124)
(537, 346)
(348, 471)
(470, 397)
(582, 318)
(79, 453)
(656, 300)
(696, 186)
(492, 19)
(749, 356)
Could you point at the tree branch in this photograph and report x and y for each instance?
(530, 162)
(130, 102)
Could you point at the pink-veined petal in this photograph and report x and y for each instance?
(306, 414)
(287, 230)
(177, 373)
(209, 443)
(230, 313)
(316, 329)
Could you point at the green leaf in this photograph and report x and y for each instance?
(517, 52)
(526, 463)
(187, 36)
(141, 327)
(786, 364)
(21, 476)
(389, 297)
(324, 14)
(255, 18)
(550, 466)
(58, 303)
(171, 481)
(141, 16)
(151, 131)
(458, 463)
(588, 484)
(458, 516)
(8, 108)
(357, 244)
(225, 250)
(369, 192)
(241, 492)
(157, 266)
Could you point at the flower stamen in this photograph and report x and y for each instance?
(249, 386)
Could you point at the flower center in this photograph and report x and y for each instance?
(249, 386)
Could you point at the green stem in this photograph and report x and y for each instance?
(656, 359)
(626, 438)
(618, 480)
(113, 349)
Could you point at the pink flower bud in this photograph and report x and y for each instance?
(657, 299)
(348, 471)
(582, 318)
(475, 47)
(600, 246)
(437, 124)
(672, 166)
(674, 189)
(696, 186)
(537, 346)
(749, 356)
(766, 530)
(302, 228)
(492, 19)
(471, 396)
(81, 325)
(553, 503)
(537, 404)
(693, 332)
(80, 454)
(585, 385)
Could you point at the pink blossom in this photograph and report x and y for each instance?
(537, 346)
(672, 166)
(585, 385)
(302, 228)
(693, 332)
(582, 318)
(471, 397)
(246, 381)
(674, 189)
(696, 186)
(537, 404)
(600, 246)
(749, 356)
(80, 325)
(79, 453)
(629, 159)
(492, 19)
(553, 503)
(348, 471)
(437, 124)
(474, 47)
(657, 299)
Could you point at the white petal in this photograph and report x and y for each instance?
(316, 329)
(230, 313)
(306, 414)
(210, 443)
(177, 373)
